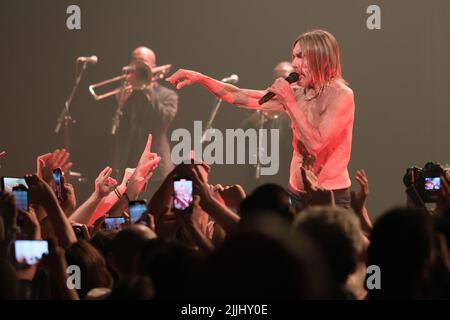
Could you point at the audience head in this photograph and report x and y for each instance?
(170, 265)
(126, 247)
(94, 272)
(337, 235)
(133, 288)
(401, 245)
(268, 198)
(258, 265)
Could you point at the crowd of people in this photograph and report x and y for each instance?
(312, 240)
(226, 245)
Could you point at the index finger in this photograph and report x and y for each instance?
(198, 175)
(45, 157)
(108, 172)
(149, 142)
(174, 77)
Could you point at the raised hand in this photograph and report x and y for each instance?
(81, 231)
(182, 78)
(315, 195)
(358, 200)
(443, 203)
(146, 154)
(39, 191)
(147, 163)
(8, 211)
(140, 178)
(48, 162)
(144, 170)
(232, 195)
(30, 228)
(282, 90)
(104, 183)
(69, 200)
(206, 192)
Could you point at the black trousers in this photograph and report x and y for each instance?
(341, 198)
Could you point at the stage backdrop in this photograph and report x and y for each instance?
(399, 74)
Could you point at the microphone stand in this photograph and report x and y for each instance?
(116, 125)
(231, 79)
(258, 153)
(65, 119)
(217, 103)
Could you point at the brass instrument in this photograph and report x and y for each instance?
(138, 76)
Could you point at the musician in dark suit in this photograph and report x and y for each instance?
(150, 110)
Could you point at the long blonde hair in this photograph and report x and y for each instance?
(321, 51)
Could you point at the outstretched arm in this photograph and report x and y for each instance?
(229, 93)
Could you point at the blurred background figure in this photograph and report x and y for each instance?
(151, 109)
(260, 119)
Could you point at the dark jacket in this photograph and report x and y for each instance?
(148, 111)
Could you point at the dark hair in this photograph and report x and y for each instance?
(132, 288)
(9, 289)
(321, 50)
(400, 245)
(266, 198)
(253, 265)
(126, 248)
(94, 272)
(337, 234)
(170, 265)
(102, 241)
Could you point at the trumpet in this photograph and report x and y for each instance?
(137, 76)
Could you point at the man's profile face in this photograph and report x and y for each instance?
(300, 65)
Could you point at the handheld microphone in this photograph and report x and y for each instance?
(90, 60)
(234, 78)
(291, 78)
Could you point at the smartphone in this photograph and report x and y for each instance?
(20, 192)
(30, 252)
(137, 209)
(433, 183)
(114, 223)
(8, 183)
(78, 231)
(57, 178)
(183, 195)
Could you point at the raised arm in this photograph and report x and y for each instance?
(229, 93)
(42, 194)
(104, 184)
